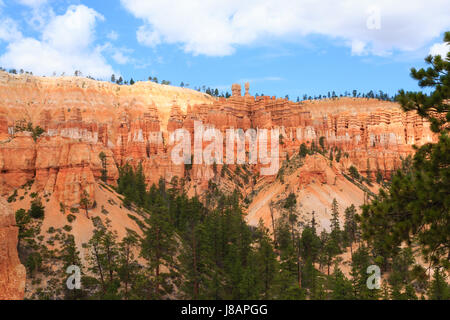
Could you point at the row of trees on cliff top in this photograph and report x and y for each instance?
(380, 95)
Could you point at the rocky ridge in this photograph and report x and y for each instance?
(131, 124)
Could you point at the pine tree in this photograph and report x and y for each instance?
(350, 226)
(85, 202)
(158, 248)
(70, 256)
(415, 208)
(37, 210)
(128, 268)
(439, 288)
(360, 262)
(309, 246)
(400, 275)
(303, 150)
(290, 205)
(102, 157)
(336, 233)
(341, 287)
(102, 253)
(266, 261)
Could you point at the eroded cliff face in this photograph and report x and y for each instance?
(82, 118)
(12, 272)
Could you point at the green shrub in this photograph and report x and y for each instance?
(71, 218)
(303, 150)
(37, 209)
(33, 262)
(354, 173)
(104, 211)
(12, 198)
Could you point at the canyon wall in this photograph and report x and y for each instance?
(12, 273)
(83, 118)
(90, 129)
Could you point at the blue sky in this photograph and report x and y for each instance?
(282, 47)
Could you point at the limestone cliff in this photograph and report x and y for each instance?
(12, 273)
(82, 118)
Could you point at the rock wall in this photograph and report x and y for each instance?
(82, 118)
(12, 273)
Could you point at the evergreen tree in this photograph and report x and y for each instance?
(267, 264)
(37, 210)
(303, 150)
(102, 253)
(341, 287)
(128, 268)
(415, 208)
(350, 226)
(158, 248)
(439, 288)
(85, 202)
(361, 260)
(71, 257)
(102, 157)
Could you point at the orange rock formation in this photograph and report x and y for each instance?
(131, 124)
(12, 273)
(82, 118)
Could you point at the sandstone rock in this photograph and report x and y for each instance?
(12, 272)
(132, 124)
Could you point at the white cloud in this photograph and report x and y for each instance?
(66, 45)
(358, 47)
(9, 30)
(440, 49)
(72, 31)
(120, 58)
(32, 3)
(148, 37)
(217, 28)
(113, 36)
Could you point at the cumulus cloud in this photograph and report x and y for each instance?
(32, 3)
(66, 45)
(147, 36)
(9, 30)
(217, 28)
(440, 49)
(120, 57)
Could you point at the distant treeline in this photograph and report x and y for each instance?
(214, 92)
